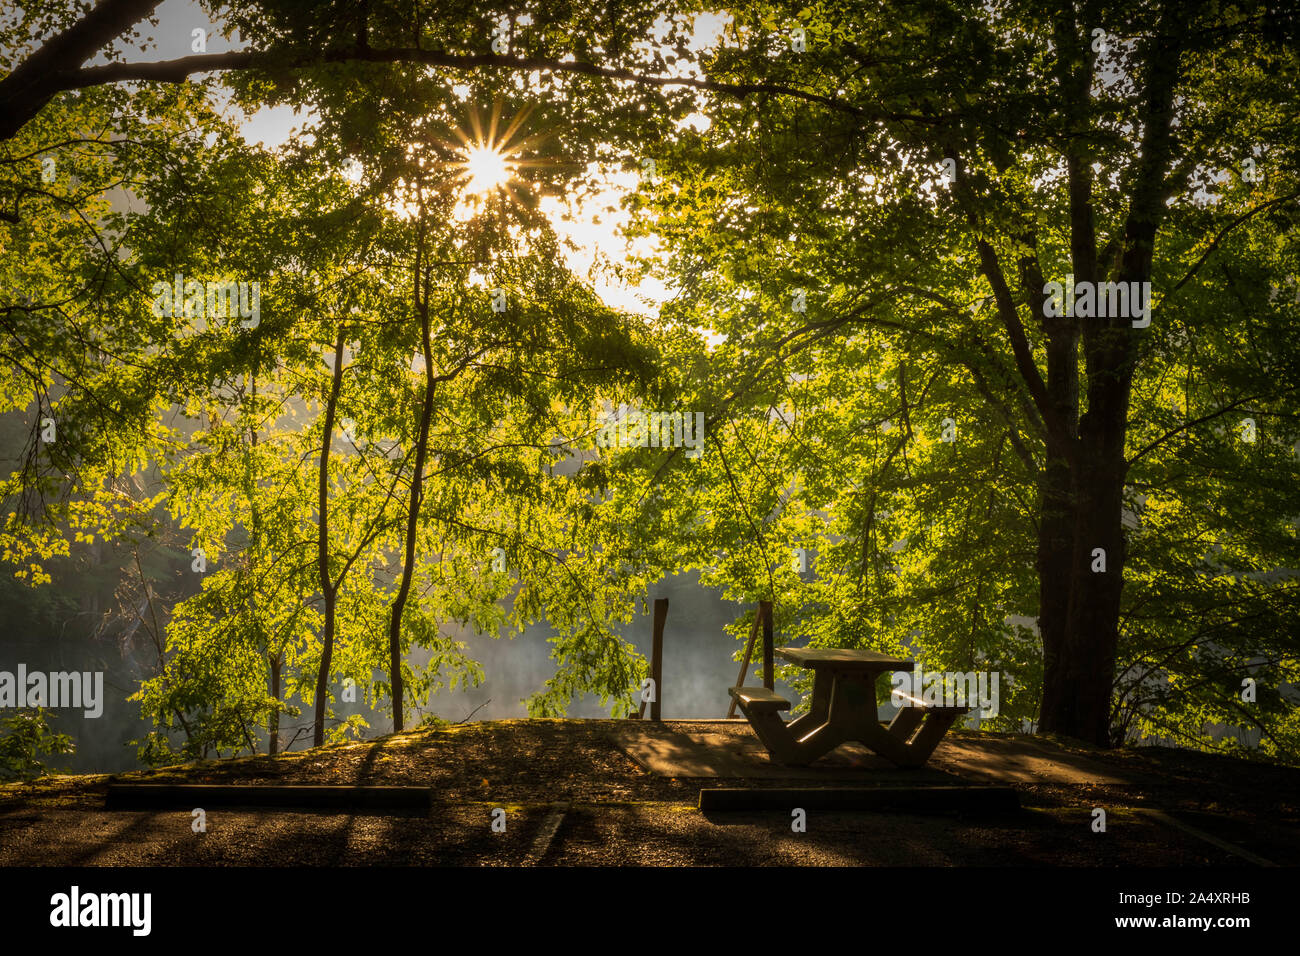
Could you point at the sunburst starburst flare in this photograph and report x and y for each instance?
(487, 168)
(492, 157)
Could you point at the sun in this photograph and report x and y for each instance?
(486, 169)
(490, 157)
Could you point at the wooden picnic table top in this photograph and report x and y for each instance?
(843, 659)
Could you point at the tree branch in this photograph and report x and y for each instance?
(1214, 244)
(21, 103)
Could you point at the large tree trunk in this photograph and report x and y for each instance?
(1080, 648)
(329, 589)
(1081, 548)
(1058, 508)
(1055, 559)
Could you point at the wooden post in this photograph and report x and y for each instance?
(657, 656)
(744, 665)
(769, 678)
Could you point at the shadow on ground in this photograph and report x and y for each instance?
(604, 792)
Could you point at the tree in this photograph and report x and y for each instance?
(915, 178)
(940, 201)
(297, 42)
(24, 737)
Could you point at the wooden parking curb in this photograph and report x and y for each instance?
(892, 799)
(151, 796)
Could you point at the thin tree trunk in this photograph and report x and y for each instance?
(329, 591)
(413, 509)
(276, 661)
(273, 721)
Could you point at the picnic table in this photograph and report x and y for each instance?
(844, 708)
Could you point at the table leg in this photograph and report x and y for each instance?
(905, 721)
(815, 744)
(818, 707)
(775, 736)
(931, 732)
(887, 745)
(890, 743)
(850, 715)
(818, 732)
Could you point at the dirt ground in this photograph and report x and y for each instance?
(573, 797)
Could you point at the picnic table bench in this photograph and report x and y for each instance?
(844, 708)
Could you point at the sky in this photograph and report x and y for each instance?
(592, 223)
